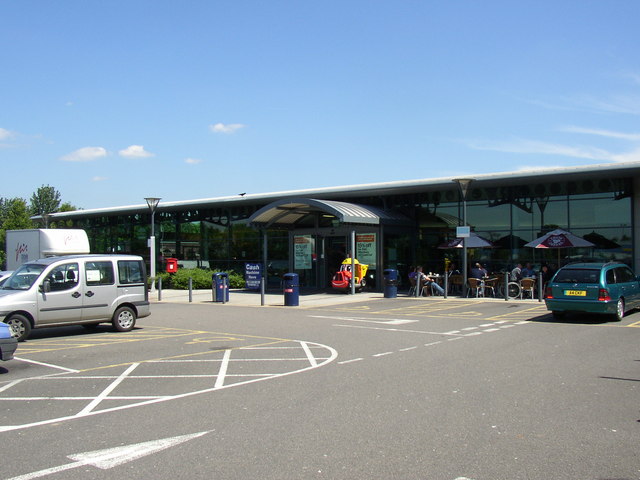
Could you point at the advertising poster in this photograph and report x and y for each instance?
(303, 248)
(366, 249)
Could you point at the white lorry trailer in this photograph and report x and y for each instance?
(25, 245)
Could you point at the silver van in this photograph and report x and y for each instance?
(75, 290)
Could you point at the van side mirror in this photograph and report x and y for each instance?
(45, 287)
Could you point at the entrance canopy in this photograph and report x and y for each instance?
(290, 211)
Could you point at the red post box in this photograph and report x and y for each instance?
(172, 265)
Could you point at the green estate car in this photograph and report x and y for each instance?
(607, 288)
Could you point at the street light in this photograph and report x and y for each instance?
(463, 184)
(152, 202)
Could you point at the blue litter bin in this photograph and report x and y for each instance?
(291, 290)
(220, 287)
(390, 283)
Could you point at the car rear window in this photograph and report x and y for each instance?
(130, 271)
(577, 275)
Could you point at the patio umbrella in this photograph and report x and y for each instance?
(600, 241)
(559, 239)
(510, 240)
(474, 241)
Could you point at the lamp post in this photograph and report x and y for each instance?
(463, 184)
(152, 202)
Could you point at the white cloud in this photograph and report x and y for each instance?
(99, 179)
(222, 128)
(135, 151)
(192, 161)
(535, 147)
(85, 154)
(5, 134)
(634, 137)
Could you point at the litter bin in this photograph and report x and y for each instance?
(390, 283)
(172, 265)
(291, 290)
(220, 287)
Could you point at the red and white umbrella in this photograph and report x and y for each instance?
(559, 239)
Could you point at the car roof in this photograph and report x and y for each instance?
(593, 265)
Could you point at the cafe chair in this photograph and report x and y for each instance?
(455, 283)
(527, 287)
(474, 285)
(412, 286)
(490, 286)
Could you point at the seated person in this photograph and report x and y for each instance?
(516, 273)
(478, 271)
(429, 281)
(528, 271)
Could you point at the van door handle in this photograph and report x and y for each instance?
(89, 293)
(75, 294)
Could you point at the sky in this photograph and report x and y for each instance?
(113, 101)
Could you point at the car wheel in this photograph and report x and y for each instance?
(620, 309)
(557, 315)
(20, 326)
(124, 319)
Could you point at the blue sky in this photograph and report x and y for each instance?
(114, 101)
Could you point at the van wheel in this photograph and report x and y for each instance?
(620, 309)
(20, 326)
(124, 319)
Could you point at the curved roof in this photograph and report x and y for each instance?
(289, 211)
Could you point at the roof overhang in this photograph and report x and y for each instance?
(290, 211)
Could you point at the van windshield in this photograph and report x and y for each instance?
(24, 277)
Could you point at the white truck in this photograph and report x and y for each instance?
(25, 245)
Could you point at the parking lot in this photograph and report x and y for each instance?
(247, 357)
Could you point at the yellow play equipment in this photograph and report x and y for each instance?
(342, 279)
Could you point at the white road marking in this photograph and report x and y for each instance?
(105, 393)
(350, 361)
(140, 401)
(113, 457)
(223, 369)
(407, 349)
(382, 354)
(46, 364)
(307, 350)
(391, 321)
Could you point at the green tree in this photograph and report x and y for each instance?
(45, 200)
(65, 207)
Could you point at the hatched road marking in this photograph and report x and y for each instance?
(154, 381)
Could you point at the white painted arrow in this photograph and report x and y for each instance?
(391, 321)
(112, 457)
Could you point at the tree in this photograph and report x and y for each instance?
(65, 207)
(45, 200)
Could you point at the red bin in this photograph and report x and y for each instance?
(172, 265)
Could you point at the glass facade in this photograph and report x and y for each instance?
(510, 216)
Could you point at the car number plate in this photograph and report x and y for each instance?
(575, 293)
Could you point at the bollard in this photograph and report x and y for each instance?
(506, 287)
(446, 284)
(224, 289)
(540, 286)
(159, 288)
(262, 289)
(190, 290)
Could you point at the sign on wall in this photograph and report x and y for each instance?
(303, 251)
(366, 249)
